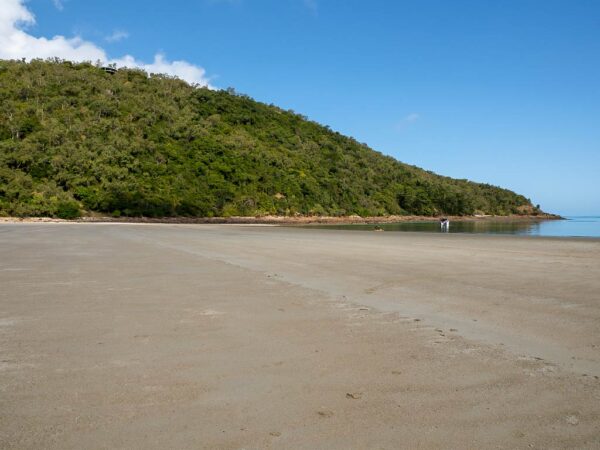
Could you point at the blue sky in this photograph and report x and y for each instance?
(505, 92)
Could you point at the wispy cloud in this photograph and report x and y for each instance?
(412, 117)
(231, 2)
(58, 4)
(312, 6)
(116, 36)
(17, 43)
(407, 121)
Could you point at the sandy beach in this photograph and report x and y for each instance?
(253, 337)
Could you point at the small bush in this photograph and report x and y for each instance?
(68, 209)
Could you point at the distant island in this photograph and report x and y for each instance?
(77, 140)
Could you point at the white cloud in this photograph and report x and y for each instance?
(16, 43)
(116, 36)
(181, 69)
(58, 4)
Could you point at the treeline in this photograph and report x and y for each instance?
(75, 139)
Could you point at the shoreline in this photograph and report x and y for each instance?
(284, 220)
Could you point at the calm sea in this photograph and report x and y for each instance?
(580, 226)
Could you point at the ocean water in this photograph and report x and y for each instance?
(575, 226)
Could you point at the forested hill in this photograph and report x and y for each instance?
(75, 139)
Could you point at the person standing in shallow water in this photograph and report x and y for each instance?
(445, 224)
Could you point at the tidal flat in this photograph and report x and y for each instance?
(233, 336)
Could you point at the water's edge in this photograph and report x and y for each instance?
(573, 226)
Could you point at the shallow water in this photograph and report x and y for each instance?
(580, 226)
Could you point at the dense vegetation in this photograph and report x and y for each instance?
(75, 139)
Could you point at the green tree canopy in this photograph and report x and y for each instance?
(76, 139)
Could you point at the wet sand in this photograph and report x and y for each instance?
(228, 336)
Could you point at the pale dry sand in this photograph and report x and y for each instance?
(231, 337)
